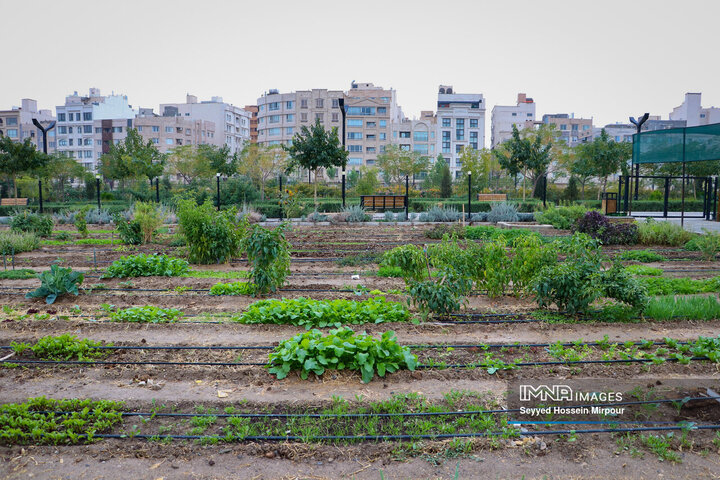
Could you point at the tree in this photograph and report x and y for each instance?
(59, 170)
(219, 159)
(17, 158)
(445, 181)
(571, 192)
(478, 163)
(397, 163)
(603, 156)
(529, 153)
(260, 163)
(187, 163)
(368, 182)
(314, 148)
(132, 158)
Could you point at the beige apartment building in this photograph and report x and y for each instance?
(418, 136)
(572, 130)
(16, 123)
(170, 132)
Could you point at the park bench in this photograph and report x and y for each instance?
(382, 202)
(492, 197)
(13, 202)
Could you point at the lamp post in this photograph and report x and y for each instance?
(341, 104)
(217, 177)
(469, 196)
(638, 124)
(157, 189)
(45, 131)
(343, 188)
(97, 189)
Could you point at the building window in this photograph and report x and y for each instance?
(361, 110)
(169, 130)
(62, 130)
(70, 141)
(61, 117)
(62, 143)
(156, 140)
(262, 108)
(290, 118)
(169, 141)
(288, 130)
(98, 143)
(370, 136)
(12, 132)
(274, 119)
(139, 128)
(382, 110)
(420, 136)
(273, 132)
(155, 128)
(383, 123)
(88, 153)
(335, 117)
(289, 105)
(586, 127)
(274, 106)
(421, 148)
(303, 117)
(354, 148)
(117, 129)
(405, 147)
(473, 123)
(98, 129)
(354, 135)
(319, 116)
(370, 149)
(458, 148)
(383, 136)
(70, 129)
(563, 127)
(514, 114)
(87, 116)
(529, 114)
(87, 142)
(303, 103)
(335, 103)
(319, 103)
(574, 127)
(385, 99)
(354, 122)
(445, 122)
(371, 124)
(460, 134)
(404, 134)
(702, 115)
(354, 161)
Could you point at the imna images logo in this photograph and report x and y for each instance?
(544, 393)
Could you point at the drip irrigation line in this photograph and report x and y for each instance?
(366, 438)
(394, 414)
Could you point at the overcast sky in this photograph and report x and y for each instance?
(602, 59)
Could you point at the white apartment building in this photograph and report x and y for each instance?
(81, 123)
(504, 117)
(693, 114)
(17, 124)
(232, 123)
(461, 120)
(281, 115)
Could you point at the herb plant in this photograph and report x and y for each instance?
(233, 288)
(146, 314)
(143, 265)
(63, 347)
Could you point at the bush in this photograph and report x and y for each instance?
(562, 218)
(149, 217)
(410, 259)
(600, 227)
(56, 282)
(440, 297)
(341, 349)
(530, 257)
(146, 314)
(708, 244)
(268, 254)
(324, 313)
(233, 288)
(440, 214)
(143, 265)
(128, 231)
(644, 256)
(211, 236)
(40, 225)
(503, 212)
(488, 232)
(651, 232)
(439, 231)
(355, 214)
(17, 242)
(317, 217)
(480, 217)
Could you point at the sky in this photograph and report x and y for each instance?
(605, 59)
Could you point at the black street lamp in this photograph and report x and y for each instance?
(97, 188)
(638, 124)
(469, 196)
(45, 131)
(217, 176)
(341, 104)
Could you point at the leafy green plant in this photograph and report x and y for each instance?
(63, 347)
(143, 265)
(211, 236)
(496, 276)
(437, 232)
(20, 274)
(489, 232)
(56, 282)
(18, 242)
(644, 270)
(63, 236)
(324, 313)
(680, 286)
(268, 254)
(146, 314)
(341, 349)
(80, 221)
(644, 256)
(562, 218)
(41, 225)
(410, 259)
(530, 256)
(233, 288)
(441, 297)
(129, 231)
(671, 307)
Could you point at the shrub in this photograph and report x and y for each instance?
(651, 232)
(317, 217)
(600, 227)
(562, 218)
(142, 265)
(63, 236)
(40, 225)
(324, 313)
(341, 349)
(410, 259)
(496, 274)
(149, 218)
(81, 222)
(439, 231)
(525, 217)
(644, 256)
(101, 217)
(440, 297)
(56, 282)
(503, 212)
(530, 256)
(440, 214)
(233, 288)
(708, 244)
(211, 236)
(17, 242)
(479, 217)
(146, 314)
(355, 214)
(128, 231)
(268, 254)
(63, 347)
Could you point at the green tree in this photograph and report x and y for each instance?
(435, 173)
(187, 163)
(219, 159)
(315, 148)
(603, 156)
(478, 163)
(571, 192)
(397, 163)
(260, 163)
(529, 153)
(60, 170)
(368, 181)
(17, 158)
(445, 180)
(132, 158)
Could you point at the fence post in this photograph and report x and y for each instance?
(666, 197)
(626, 196)
(708, 196)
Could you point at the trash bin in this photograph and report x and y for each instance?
(609, 203)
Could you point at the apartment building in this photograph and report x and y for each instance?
(503, 118)
(281, 115)
(572, 130)
(87, 125)
(253, 109)
(17, 124)
(173, 131)
(232, 123)
(461, 120)
(692, 112)
(419, 136)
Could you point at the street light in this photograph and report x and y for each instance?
(217, 176)
(469, 195)
(638, 124)
(97, 188)
(45, 131)
(341, 104)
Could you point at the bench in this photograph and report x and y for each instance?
(492, 197)
(13, 202)
(382, 202)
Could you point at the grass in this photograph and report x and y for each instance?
(680, 286)
(20, 274)
(693, 307)
(216, 274)
(652, 232)
(81, 241)
(488, 232)
(643, 256)
(644, 270)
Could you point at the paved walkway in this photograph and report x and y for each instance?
(691, 224)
